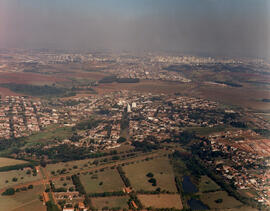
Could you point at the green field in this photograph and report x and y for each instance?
(10, 162)
(160, 167)
(71, 166)
(226, 201)
(21, 175)
(207, 185)
(108, 180)
(50, 133)
(110, 202)
(23, 201)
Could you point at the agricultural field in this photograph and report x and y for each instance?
(110, 202)
(219, 200)
(16, 177)
(10, 162)
(207, 185)
(160, 168)
(23, 201)
(108, 180)
(161, 201)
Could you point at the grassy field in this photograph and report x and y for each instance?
(110, 202)
(226, 201)
(75, 166)
(33, 205)
(23, 201)
(203, 131)
(161, 201)
(160, 167)
(106, 181)
(70, 167)
(50, 133)
(21, 175)
(10, 162)
(206, 185)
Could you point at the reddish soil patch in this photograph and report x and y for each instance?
(84, 75)
(29, 78)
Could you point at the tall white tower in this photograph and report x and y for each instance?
(128, 108)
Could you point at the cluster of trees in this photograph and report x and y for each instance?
(13, 144)
(51, 206)
(263, 132)
(185, 137)
(152, 180)
(113, 78)
(78, 185)
(266, 100)
(191, 163)
(145, 146)
(86, 124)
(9, 192)
(17, 167)
(123, 176)
(12, 191)
(121, 140)
(83, 89)
(239, 124)
(66, 152)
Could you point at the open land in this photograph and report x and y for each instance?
(207, 185)
(102, 181)
(161, 170)
(110, 202)
(219, 200)
(10, 162)
(24, 200)
(161, 201)
(17, 177)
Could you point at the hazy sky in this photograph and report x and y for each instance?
(223, 27)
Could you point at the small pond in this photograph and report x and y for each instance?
(188, 186)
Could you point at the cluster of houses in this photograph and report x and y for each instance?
(163, 116)
(21, 116)
(246, 170)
